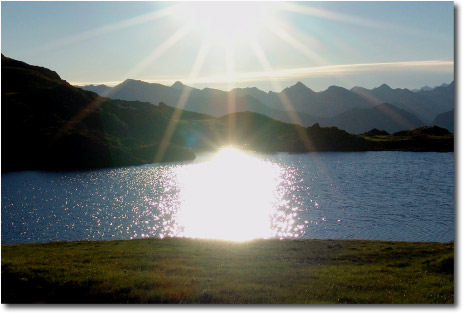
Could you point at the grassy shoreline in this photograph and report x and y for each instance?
(174, 270)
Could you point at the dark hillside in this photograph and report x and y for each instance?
(262, 133)
(49, 124)
(422, 139)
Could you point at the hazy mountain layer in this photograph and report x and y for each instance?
(424, 104)
(209, 101)
(335, 106)
(383, 116)
(446, 120)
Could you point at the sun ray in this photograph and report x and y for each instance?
(288, 32)
(159, 51)
(106, 29)
(310, 10)
(278, 29)
(338, 17)
(339, 42)
(76, 119)
(231, 96)
(302, 132)
(259, 52)
(165, 141)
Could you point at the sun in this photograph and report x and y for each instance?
(225, 22)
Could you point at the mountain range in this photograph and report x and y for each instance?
(427, 88)
(356, 110)
(48, 124)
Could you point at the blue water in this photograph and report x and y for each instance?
(402, 196)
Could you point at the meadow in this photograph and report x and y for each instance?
(188, 271)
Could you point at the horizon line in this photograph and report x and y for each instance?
(286, 74)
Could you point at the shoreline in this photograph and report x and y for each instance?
(70, 168)
(181, 270)
(52, 242)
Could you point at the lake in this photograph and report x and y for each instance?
(236, 195)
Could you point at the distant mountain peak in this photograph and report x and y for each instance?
(426, 88)
(251, 89)
(358, 89)
(130, 81)
(299, 85)
(178, 84)
(335, 88)
(384, 87)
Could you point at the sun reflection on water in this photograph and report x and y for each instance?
(234, 196)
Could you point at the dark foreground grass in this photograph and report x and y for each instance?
(207, 271)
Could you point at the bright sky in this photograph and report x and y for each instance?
(269, 45)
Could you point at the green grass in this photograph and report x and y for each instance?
(207, 271)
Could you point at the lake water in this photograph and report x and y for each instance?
(233, 195)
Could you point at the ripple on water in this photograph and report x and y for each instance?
(382, 195)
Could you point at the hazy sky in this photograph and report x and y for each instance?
(270, 45)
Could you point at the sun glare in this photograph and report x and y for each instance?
(233, 197)
(226, 21)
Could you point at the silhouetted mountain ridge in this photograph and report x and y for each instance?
(428, 88)
(49, 124)
(101, 89)
(329, 107)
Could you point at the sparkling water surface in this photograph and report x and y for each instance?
(237, 195)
